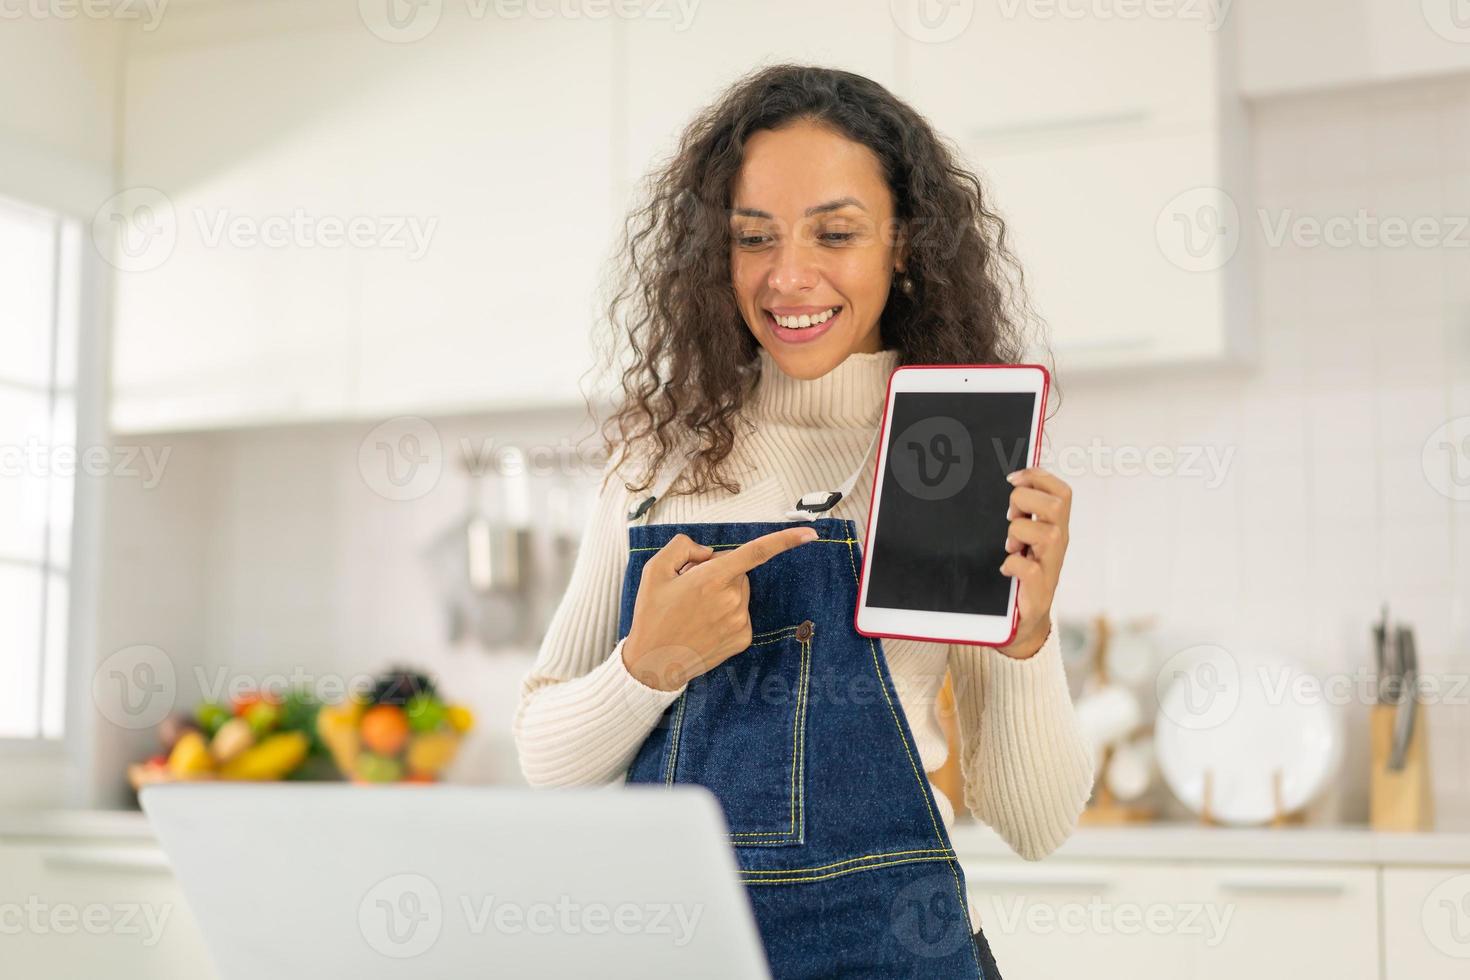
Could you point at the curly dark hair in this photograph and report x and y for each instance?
(677, 327)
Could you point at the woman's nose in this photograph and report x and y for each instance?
(793, 271)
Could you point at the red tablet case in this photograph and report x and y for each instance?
(873, 510)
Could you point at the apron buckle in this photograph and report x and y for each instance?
(817, 507)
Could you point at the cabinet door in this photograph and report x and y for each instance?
(675, 68)
(231, 307)
(1085, 918)
(83, 911)
(1285, 923)
(1121, 259)
(1426, 923)
(1313, 44)
(500, 131)
(983, 69)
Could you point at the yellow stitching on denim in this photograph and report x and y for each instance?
(923, 788)
(857, 860)
(736, 544)
(847, 871)
(798, 743)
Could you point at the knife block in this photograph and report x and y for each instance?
(1402, 800)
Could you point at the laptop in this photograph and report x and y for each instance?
(313, 880)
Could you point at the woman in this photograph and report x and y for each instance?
(810, 235)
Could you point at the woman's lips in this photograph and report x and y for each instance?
(805, 335)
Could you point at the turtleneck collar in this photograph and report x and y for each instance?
(851, 395)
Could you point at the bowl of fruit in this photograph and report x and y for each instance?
(399, 731)
(257, 735)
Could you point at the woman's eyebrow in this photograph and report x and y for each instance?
(834, 205)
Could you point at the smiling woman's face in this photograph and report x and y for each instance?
(811, 219)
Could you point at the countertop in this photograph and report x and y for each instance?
(974, 841)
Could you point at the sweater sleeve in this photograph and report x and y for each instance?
(1028, 771)
(581, 715)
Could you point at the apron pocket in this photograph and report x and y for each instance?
(740, 731)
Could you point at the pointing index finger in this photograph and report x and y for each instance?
(758, 551)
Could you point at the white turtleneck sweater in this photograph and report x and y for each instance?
(582, 716)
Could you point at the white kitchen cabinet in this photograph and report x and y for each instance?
(83, 910)
(1426, 923)
(476, 172)
(1068, 918)
(1112, 146)
(1116, 250)
(674, 69)
(1315, 44)
(1284, 923)
(984, 70)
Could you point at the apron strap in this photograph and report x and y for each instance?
(820, 501)
(808, 507)
(660, 485)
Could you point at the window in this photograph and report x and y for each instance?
(39, 292)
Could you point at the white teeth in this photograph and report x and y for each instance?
(803, 321)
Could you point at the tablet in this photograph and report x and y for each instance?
(937, 526)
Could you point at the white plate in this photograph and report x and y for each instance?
(1242, 718)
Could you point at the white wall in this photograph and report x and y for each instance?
(1324, 511)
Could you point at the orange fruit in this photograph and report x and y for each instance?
(385, 729)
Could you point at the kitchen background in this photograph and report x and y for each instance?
(1246, 226)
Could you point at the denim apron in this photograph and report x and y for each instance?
(802, 739)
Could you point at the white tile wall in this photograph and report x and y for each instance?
(1324, 511)
(1328, 510)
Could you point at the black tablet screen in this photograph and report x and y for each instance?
(940, 536)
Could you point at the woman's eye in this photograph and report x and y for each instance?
(838, 236)
(750, 241)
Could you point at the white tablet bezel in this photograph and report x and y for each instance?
(945, 627)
